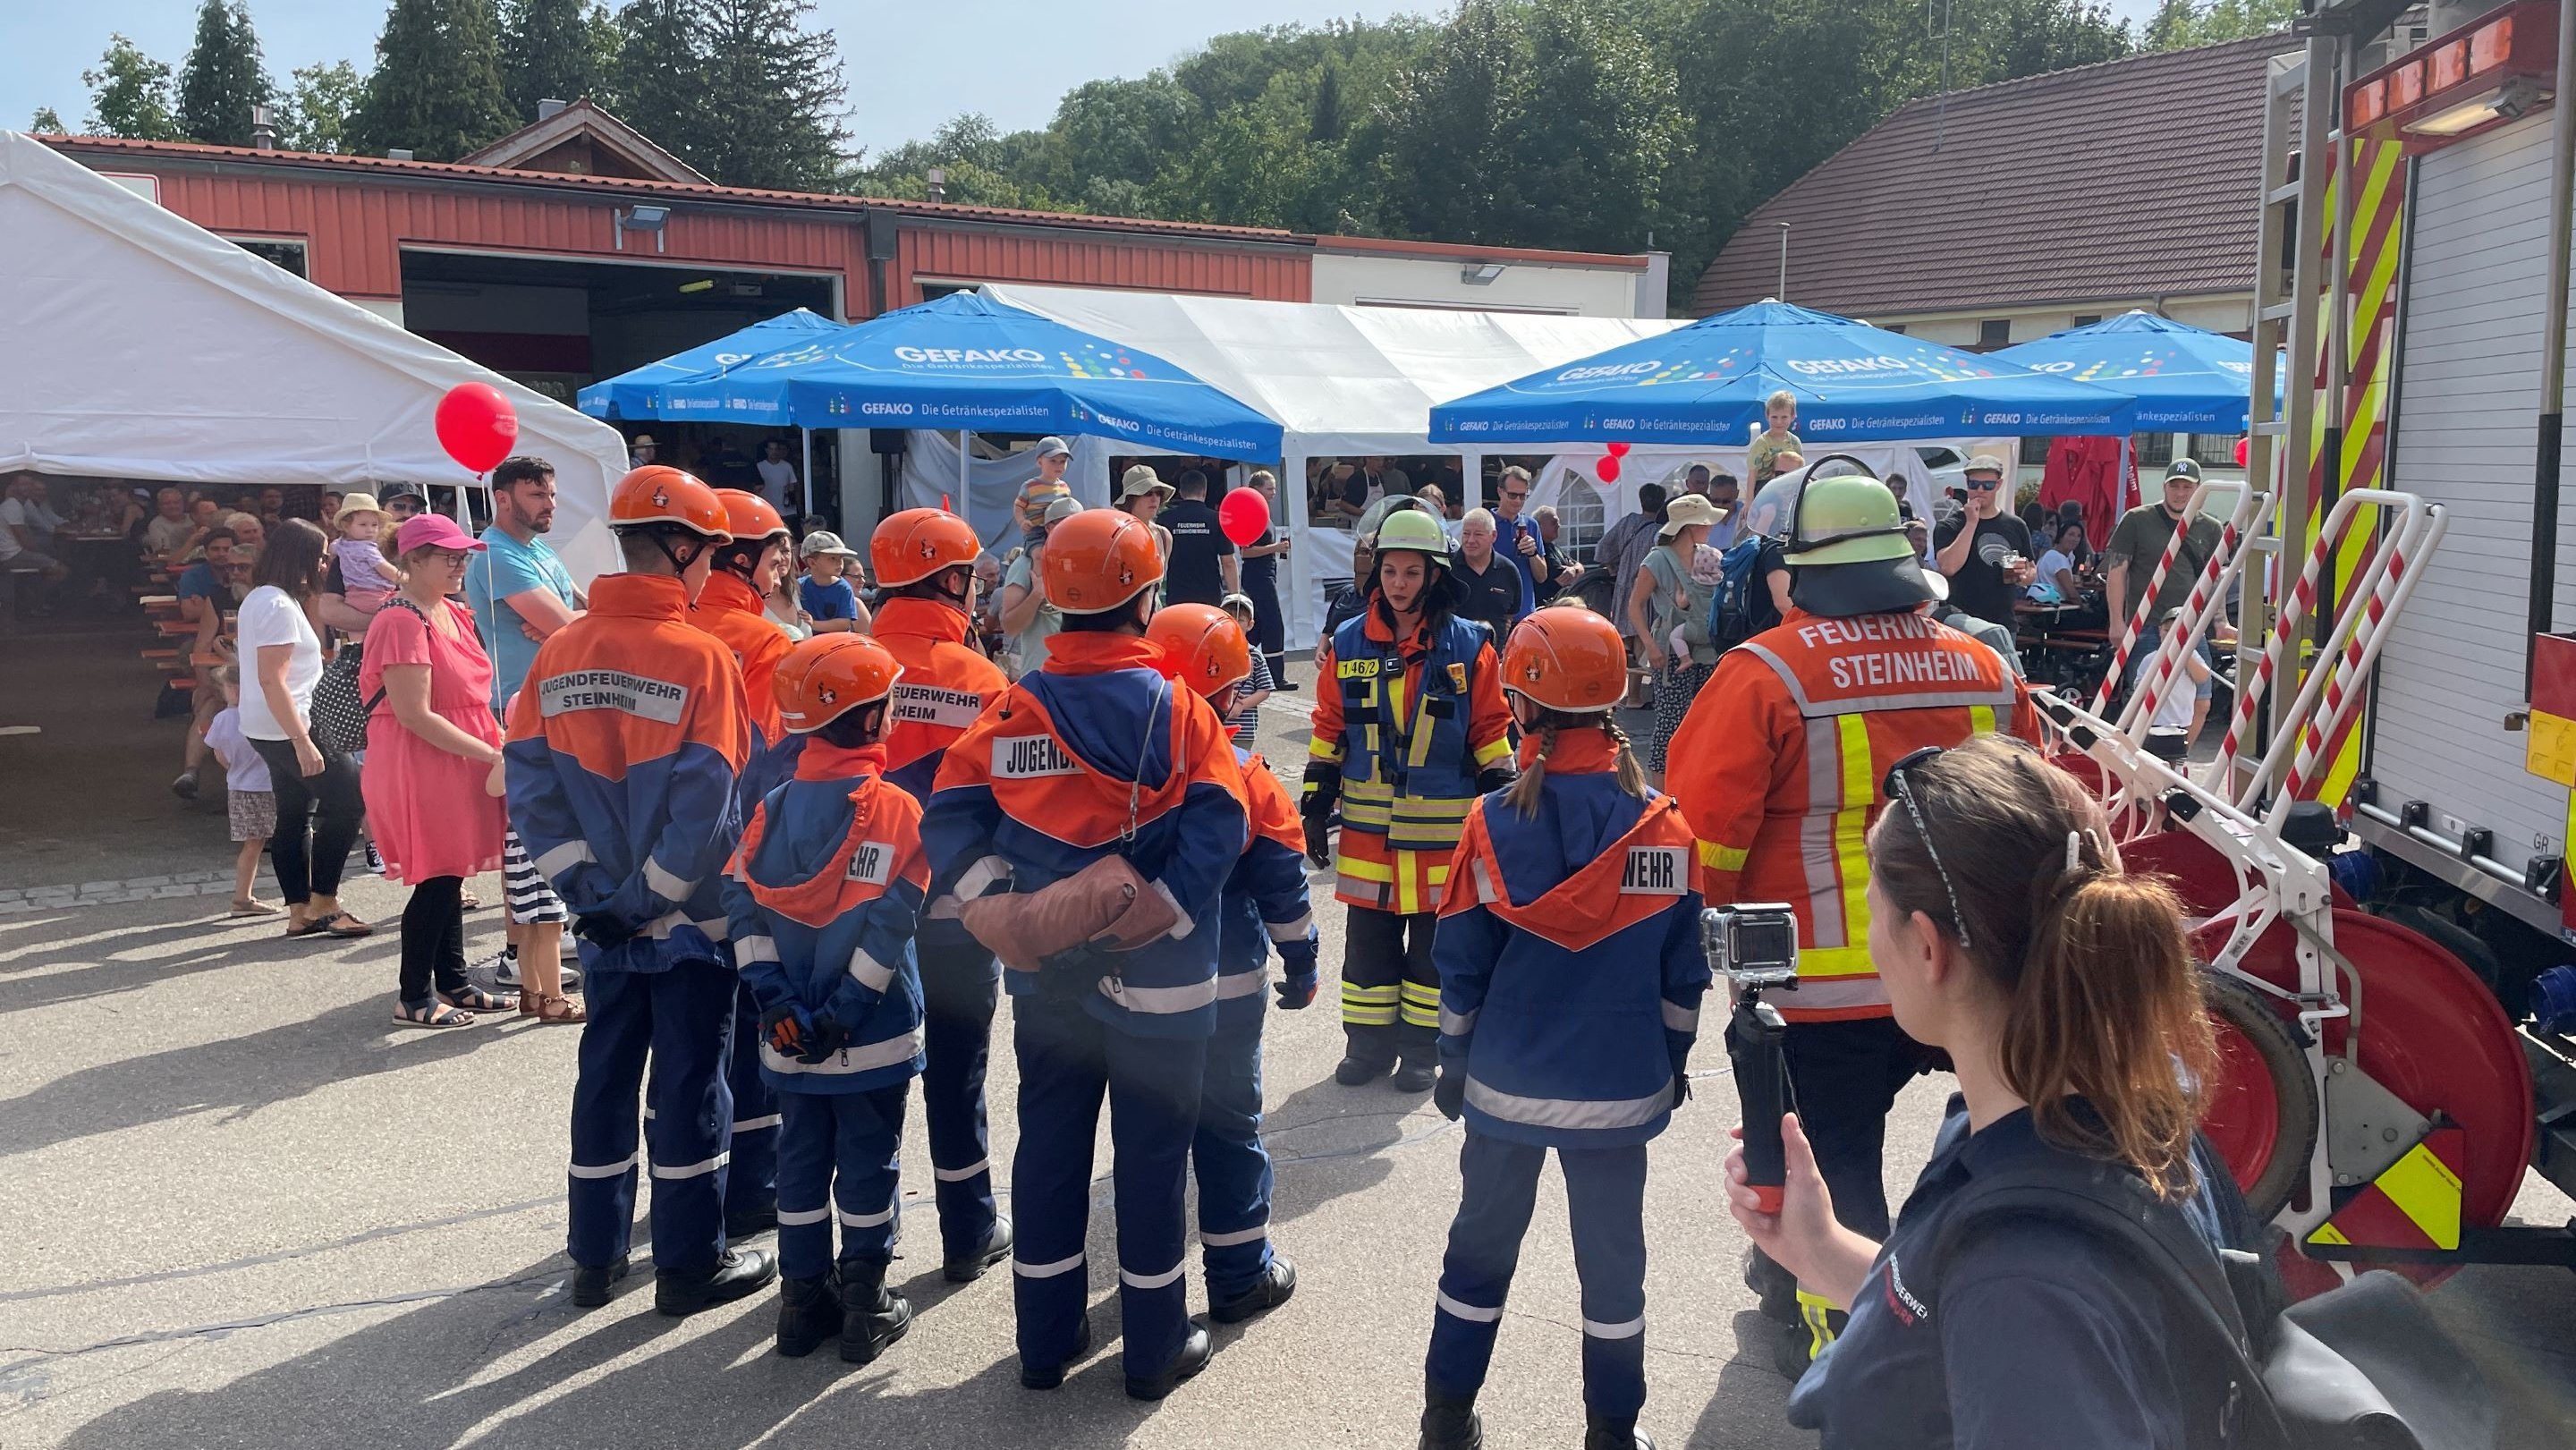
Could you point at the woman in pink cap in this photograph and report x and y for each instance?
(431, 745)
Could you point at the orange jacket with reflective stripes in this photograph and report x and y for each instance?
(1779, 764)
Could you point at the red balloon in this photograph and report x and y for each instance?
(1244, 515)
(477, 426)
(2244, 448)
(1608, 469)
(1615, 450)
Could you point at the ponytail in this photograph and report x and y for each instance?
(2102, 996)
(1523, 793)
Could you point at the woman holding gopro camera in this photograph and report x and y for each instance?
(2065, 994)
(1570, 979)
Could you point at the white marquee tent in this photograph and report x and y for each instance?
(1343, 382)
(143, 347)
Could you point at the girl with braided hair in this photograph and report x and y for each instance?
(1570, 979)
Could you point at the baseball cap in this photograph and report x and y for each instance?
(1984, 463)
(433, 531)
(2182, 468)
(1061, 509)
(1142, 480)
(1051, 447)
(824, 541)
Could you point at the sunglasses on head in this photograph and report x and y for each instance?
(1897, 790)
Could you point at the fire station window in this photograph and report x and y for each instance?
(2087, 319)
(1995, 332)
(2152, 450)
(283, 254)
(1895, 327)
(2214, 449)
(1578, 517)
(2034, 451)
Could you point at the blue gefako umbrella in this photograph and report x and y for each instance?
(1706, 383)
(637, 393)
(2185, 379)
(969, 363)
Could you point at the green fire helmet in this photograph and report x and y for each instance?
(1846, 520)
(1413, 529)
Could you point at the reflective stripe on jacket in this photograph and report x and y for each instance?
(1570, 965)
(1778, 767)
(823, 895)
(624, 748)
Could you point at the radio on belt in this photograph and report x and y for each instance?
(1754, 946)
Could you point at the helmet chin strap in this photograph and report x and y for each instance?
(679, 566)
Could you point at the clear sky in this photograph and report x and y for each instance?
(910, 66)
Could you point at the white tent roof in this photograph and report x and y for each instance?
(1341, 380)
(143, 347)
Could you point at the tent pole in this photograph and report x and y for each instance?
(965, 507)
(806, 474)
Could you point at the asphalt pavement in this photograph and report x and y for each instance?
(243, 1209)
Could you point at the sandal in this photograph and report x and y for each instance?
(342, 924)
(475, 999)
(552, 1007)
(253, 906)
(307, 928)
(433, 1015)
(469, 901)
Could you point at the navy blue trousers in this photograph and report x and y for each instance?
(960, 987)
(1069, 1060)
(1233, 1168)
(680, 1023)
(1605, 1200)
(837, 1159)
(751, 1174)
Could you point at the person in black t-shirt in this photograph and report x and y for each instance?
(1983, 551)
(1261, 581)
(1495, 590)
(1204, 567)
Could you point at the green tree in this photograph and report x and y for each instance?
(549, 51)
(47, 122)
(436, 89)
(2179, 24)
(657, 79)
(129, 95)
(319, 101)
(782, 97)
(222, 78)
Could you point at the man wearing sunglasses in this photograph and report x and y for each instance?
(1781, 767)
(1984, 551)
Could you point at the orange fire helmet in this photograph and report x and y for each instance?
(826, 677)
(1202, 646)
(913, 545)
(751, 518)
(660, 494)
(1568, 658)
(1098, 560)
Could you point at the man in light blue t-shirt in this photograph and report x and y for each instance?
(520, 592)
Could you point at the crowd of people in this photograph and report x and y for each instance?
(806, 813)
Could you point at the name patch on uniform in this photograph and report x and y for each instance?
(1458, 678)
(657, 700)
(931, 705)
(1355, 669)
(1654, 871)
(1026, 757)
(872, 863)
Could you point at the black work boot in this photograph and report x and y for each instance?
(809, 1312)
(591, 1284)
(1601, 1433)
(1776, 1286)
(1050, 1378)
(1365, 1060)
(738, 1272)
(1418, 1072)
(1197, 1348)
(967, 1268)
(872, 1315)
(1268, 1292)
(1450, 1422)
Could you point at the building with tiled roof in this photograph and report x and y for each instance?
(2011, 211)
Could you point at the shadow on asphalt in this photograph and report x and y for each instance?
(236, 1075)
(26, 984)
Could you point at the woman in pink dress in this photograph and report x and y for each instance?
(431, 745)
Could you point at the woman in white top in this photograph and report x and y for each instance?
(318, 803)
(2055, 581)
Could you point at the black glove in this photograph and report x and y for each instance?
(1681, 1090)
(1074, 973)
(1319, 840)
(1297, 991)
(784, 1029)
(1449, 1094)
(1323, 790)
(830, 1036)
(602, 930)
(1494, 777)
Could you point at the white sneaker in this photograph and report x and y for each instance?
(375, 862)
(505, 967)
